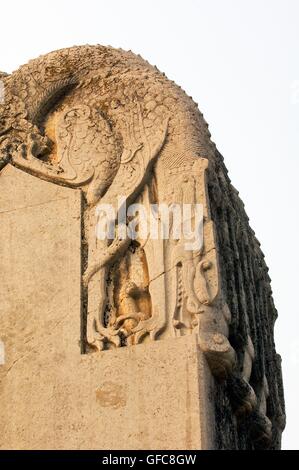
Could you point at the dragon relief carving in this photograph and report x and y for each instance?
(120, 128)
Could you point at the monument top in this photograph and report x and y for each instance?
(103, 141)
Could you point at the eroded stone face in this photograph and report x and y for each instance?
(108, 127)
(40, 293)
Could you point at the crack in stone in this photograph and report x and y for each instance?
(199, 255)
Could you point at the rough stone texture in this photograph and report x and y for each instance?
(82, 126)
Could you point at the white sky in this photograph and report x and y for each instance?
(239, 60)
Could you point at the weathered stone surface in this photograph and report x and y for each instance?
(158, 396)
(40, 304)
(82, 127)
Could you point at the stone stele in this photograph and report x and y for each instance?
(127, 342)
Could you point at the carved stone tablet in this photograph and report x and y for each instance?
(136, 307)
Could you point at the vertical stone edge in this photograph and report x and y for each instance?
(75, 207)
(206, 392)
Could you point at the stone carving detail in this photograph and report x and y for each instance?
(106, 122)
(106, 137)
(133, 173)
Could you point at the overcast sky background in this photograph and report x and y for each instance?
(239, 60)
